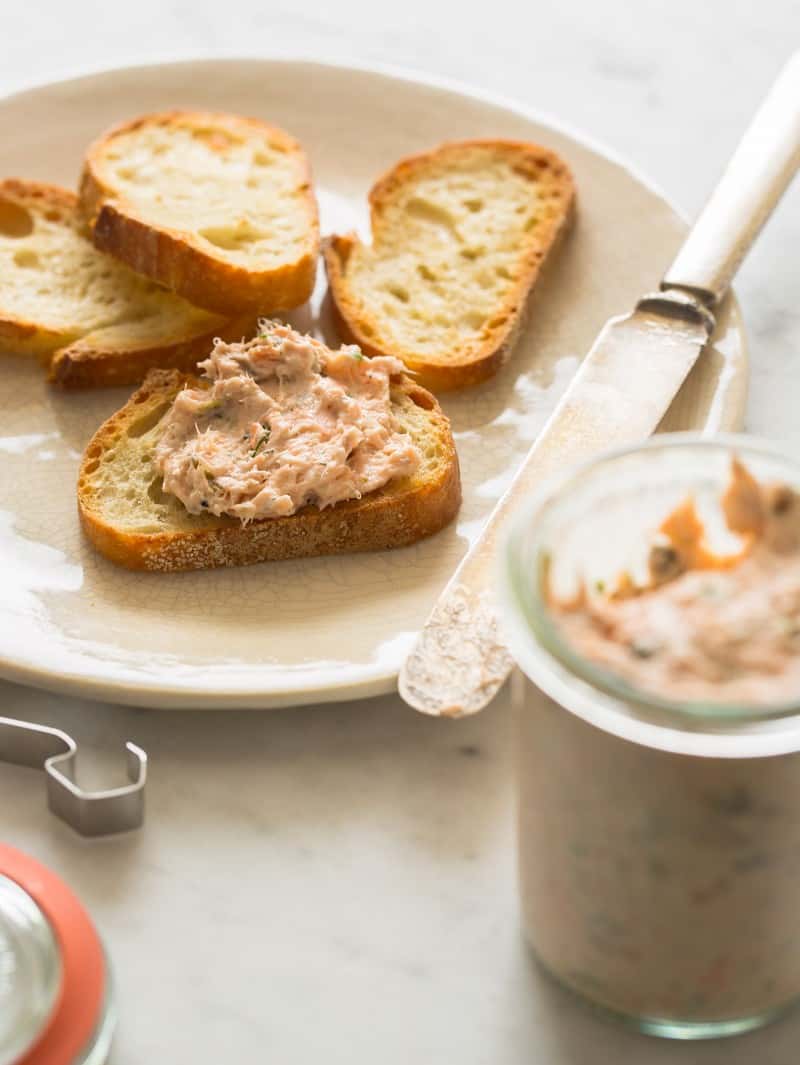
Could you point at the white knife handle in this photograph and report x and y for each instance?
(762, 166)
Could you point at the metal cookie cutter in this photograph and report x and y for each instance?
(90, 813)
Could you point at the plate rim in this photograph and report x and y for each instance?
(375, 679)
(396, 71)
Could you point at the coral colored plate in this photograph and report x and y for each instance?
(324, 629)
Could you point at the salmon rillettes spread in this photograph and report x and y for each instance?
(659, 850)
(703, 626)
(286, 422)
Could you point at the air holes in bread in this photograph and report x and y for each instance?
(429, 212)
(215, 139)
(147, 421)
(232, 238)
(422, 399)
(398, 292)
(156, 492)
(26, 258)
(472, 320)
(15, 221)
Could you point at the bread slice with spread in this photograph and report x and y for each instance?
(217, 207)
(85, 315)
(459, 237)
(289, 453)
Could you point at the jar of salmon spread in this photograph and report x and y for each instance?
(652, 602)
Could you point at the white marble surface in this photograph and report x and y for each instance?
(337, 883)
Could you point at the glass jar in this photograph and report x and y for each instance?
(56, 994)
(30, 971)
(659, 841)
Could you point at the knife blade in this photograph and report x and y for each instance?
(617, 397)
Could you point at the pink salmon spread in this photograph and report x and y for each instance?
(705, 627)
(286, 422)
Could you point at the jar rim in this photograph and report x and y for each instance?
(525, 609)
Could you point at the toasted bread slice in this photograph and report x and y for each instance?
(459, 235)
(91, 318)
(131, 520)
(216, 207)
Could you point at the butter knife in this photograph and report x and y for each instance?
(618, 396)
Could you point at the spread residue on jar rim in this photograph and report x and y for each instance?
(703, 625)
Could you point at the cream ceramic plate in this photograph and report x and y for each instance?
(331, 628)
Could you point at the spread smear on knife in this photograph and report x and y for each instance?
(286, 422)
(458, 659)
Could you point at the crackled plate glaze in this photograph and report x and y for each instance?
(329, 628)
